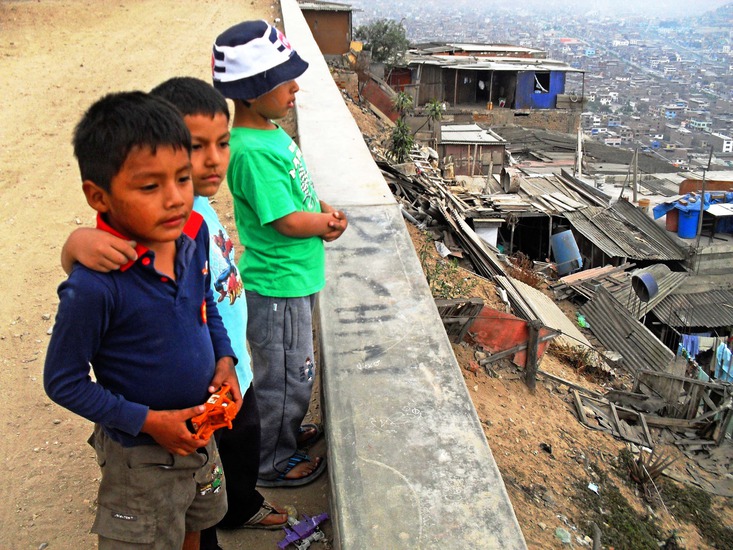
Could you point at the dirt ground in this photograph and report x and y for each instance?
(57, 57)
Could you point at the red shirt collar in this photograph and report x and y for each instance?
(193, 224)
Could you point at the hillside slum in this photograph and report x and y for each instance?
(657, 307)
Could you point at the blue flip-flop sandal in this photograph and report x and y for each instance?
(282, 481)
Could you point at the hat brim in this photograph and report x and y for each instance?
(255, 86)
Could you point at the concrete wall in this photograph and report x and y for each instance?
(409, 465)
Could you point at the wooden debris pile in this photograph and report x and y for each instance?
(697, 413)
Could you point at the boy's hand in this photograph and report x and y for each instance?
(226, 374)
(97, 250)
(336, 226)
(170, 431)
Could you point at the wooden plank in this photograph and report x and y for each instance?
(674, 423)
(657, 374)
(617, 429)
(615, 416)
(579, 406)
(723, 426)
(686, 442)
(530, 366)
(693, 404)
(708, 401)
(647, 433)
(569, 384)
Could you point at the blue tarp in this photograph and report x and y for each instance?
(725, 225)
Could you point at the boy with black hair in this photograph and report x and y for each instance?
(206, 114)
(150, 331)
(282, 224)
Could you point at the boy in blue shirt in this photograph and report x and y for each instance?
(150, 331)
(206, 115)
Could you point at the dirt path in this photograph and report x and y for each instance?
(58, 56)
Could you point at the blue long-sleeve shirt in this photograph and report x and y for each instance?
(152, 342)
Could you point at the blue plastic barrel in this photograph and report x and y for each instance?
(687, 224)
(565, 250)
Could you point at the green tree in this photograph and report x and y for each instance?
(386, 39)
(403, 104)
(433, 111)
(402, 141)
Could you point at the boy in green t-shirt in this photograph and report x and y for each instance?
(282, 225)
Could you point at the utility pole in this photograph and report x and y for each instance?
(579, 151)
(702, 202)
(636, 172)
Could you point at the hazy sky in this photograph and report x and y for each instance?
(661, 9)
(658, 9)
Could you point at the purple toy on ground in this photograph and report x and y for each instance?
(303, 532)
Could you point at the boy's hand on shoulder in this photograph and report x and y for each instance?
(336, 226)
(96, 249)
(170, 431)
(226, 374)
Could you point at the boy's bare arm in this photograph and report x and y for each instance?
(337, 226)
(96, 249)
(170, 431)
(328, 224)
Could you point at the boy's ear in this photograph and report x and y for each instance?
(96, 197)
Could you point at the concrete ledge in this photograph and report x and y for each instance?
(409, 465)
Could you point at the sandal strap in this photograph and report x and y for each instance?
(265, 510)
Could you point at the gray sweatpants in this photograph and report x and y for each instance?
(280, 335)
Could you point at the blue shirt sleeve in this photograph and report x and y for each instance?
(86, 304)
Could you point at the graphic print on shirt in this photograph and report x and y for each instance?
(300, 173)
(224, 272)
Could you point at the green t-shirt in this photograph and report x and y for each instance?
(268, 180)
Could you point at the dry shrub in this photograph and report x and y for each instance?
(582, 358)
(522, 269)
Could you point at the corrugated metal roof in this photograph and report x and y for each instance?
(624, 231)
(551, 315)
(617, 330)
(473, 63)
(660, 186)
(710, 175)
(495, 48)
(666, 280)
(537, 139)
(317, 5)
(550, 194)
(467, 133)
(710, 309)
(618, 281)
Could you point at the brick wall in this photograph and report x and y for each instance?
(558, 120)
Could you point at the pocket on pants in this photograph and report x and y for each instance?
(124, 526)
(260, 314)
(290, 328)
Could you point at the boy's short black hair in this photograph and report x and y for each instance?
(119, 122)
(192, 96)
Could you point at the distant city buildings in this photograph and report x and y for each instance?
(664, 86)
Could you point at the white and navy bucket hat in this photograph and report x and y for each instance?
(253, 58)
